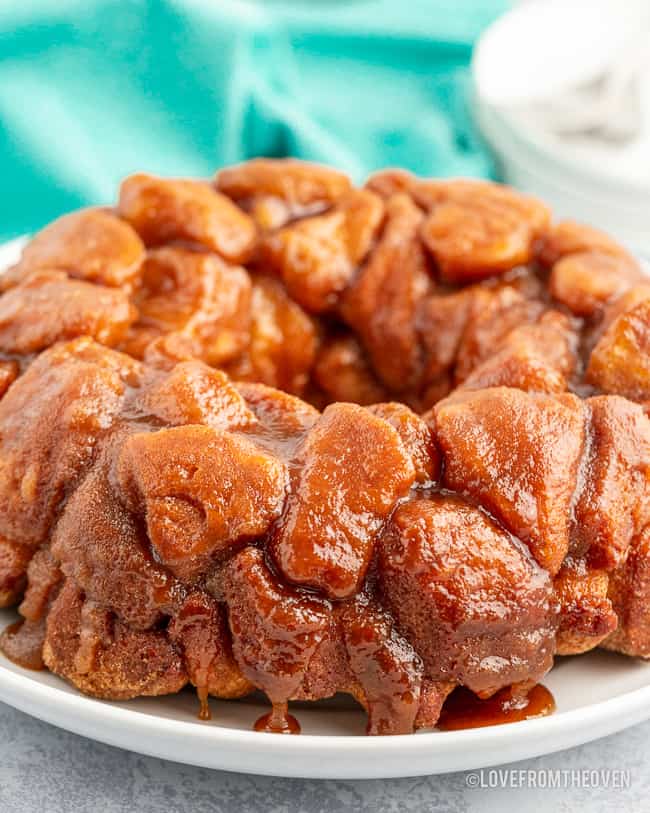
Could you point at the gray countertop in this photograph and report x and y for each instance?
(45, 769)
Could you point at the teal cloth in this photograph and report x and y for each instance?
(91, 91)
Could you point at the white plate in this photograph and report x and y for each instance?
(596, 694)
(605, 184)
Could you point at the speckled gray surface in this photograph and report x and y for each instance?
(45, 769)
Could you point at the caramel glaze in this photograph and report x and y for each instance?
(462, 709)
(204, 703)
(275, 514)
(384, 666)
(278, 721)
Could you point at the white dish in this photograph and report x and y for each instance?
(596, 694)
(602, 182)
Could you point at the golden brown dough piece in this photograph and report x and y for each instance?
(103, 657)
(276, 191)
(192, 297)
(538, 357)
(587, 616)
(9, 372)
(200, 629)
(620, 362)
(162, 210)
(283, 340)
(92, 245)
(613, 505)
(476, 229)
(48, 307)
(51, 421)
(587, 281)
(171, 512)
(629, 591)
(382, 303)
(343, 372)
(570, 238)
(317, 257)
(203, 491)
(14, 559)
(417, 438)
(329, 547)
(465, 593)
(101, 547)
(191, 392)
(275, 630)
(388, 669)
(518, 455)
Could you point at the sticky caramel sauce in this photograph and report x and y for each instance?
(463, 709)
(22, 643)
(278, 721)
(204, 705)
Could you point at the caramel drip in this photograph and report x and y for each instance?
(463, 709)
(387, 669)
(278, 721)
(204, 704)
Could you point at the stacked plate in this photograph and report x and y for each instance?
(563, 99)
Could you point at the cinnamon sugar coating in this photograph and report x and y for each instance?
(276, 432)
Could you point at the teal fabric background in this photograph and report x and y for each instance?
(91, 91)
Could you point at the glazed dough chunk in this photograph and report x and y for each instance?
(629, 591)
(200, 629)
(416, 436)
(317, 257)
(477, 229)
(195, 297)
(14, 559)
(620, 361)
(283, 340)
(192, 392)
(343, 372)
(388, 669)
(281, 415)
(568, 237)
(533, 357)
(275, 630)
(348, 473)
(517, 454)
(473, 602)
(92, 245)
(203, 491)
(391, 181)
(493, 315)
(162, 210)
(382, 303)
(48, 307)
(613, 505)
(51, 421)
(442, 321)
(276, 191)
(585, 282)
(103, 548)
(587, 616)
(9, 372)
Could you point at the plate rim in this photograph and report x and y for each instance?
(319, 755)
